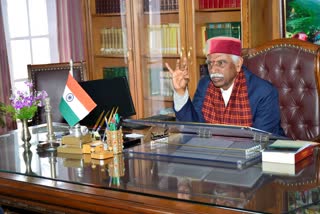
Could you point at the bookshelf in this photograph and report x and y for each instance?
(143, 35)
(108, 29)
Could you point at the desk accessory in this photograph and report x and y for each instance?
(74, 142)
(50, 144)
(102, 155)
(115, 140)
(114, 133)
(99, 151)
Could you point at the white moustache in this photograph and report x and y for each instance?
(216, 75)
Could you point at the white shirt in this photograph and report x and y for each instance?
(180, 101)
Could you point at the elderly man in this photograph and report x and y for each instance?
(230, 94)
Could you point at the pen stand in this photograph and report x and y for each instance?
(115, 141)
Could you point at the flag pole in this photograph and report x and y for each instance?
(71, 67)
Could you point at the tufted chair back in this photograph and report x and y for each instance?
(292, 66)
(52, 78)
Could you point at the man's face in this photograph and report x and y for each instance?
(222, 69)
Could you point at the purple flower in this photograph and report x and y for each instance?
(26, 103)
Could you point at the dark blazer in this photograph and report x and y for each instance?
(263, 99)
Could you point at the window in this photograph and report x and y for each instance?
(31, 35)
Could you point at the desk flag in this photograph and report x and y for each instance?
(75, 103)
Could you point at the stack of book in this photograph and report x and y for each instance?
(287, 157)
(207, 4)
(160, 82)
(112, 72)
(230, 29)
(163, 5)
(110, 6)
(164, 38)
(113, 41)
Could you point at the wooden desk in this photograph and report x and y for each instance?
(57, 184)
(48, 196)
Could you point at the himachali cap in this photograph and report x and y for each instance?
(227, 45)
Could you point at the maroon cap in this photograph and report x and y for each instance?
(227, 45)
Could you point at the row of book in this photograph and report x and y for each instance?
(112, 72)
(113, 41)
(160, 82)
(164, 39)
(110, 6)
(206, 4)
(231, 29)
(162, 5)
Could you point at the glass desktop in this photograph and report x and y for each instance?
(141, 172)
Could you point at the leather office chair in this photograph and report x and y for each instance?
(292, 66)
(52, 78)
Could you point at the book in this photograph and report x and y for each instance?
(286, 168)
(165, 83)
(154, 77)
(287, 151)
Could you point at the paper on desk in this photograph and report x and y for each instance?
(134, 135)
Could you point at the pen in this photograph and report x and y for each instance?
(97, 122)
(101, 123)
(111, 114)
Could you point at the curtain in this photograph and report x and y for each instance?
(70, 30)
(5, 84)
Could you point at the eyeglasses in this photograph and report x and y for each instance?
(218, 63)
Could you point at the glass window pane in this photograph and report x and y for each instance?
(40, 51)
(17, 18)
(38, 17)
(20, 51)
(20, 85)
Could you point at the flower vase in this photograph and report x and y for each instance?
(25, 135)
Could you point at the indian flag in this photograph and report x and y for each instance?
(75, 103)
